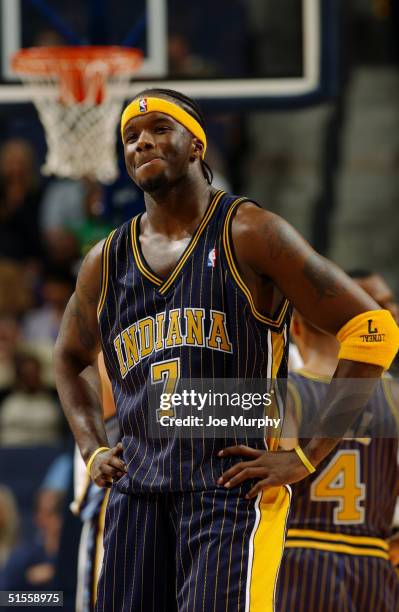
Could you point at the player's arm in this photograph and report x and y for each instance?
(269, 249)
(76, 348)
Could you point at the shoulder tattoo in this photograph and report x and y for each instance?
(279, 241)
(323, 278)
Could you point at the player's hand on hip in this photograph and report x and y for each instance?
(108, 466)
(271, 468)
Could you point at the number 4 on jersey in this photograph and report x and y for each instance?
(340, 482)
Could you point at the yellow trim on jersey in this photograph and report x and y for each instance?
(337, 537)
(194, 241)
(237, 277)
(164, 285)
(268, 548)
(104, 275)
(337, 542)
(136, 253)
(278, 344)
(99, 547)
(317, 377)
(338, 548)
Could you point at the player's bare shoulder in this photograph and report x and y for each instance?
(79, 328)
(88, 285)
(262, 236)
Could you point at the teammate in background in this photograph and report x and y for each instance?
(337, 556)
(198, 286)
(91, 500)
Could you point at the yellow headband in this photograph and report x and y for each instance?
(142, 106)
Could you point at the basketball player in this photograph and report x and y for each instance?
(198, 286)
(341, 516)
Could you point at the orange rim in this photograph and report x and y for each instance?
(42, 61)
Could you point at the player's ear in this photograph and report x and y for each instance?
(197, 149)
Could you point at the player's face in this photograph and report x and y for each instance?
(158, 151)
(378, 289)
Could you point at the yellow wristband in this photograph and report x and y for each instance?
(310, 468)
(371, 337)
(93, 456)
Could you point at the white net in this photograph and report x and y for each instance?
(79, 107)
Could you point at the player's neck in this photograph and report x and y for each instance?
(180, 207)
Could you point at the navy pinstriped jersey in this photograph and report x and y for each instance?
(201, 321)
(354, 488)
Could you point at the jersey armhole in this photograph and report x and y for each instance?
(228, 247)
(104, 273)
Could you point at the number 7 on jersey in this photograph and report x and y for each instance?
(168, 373)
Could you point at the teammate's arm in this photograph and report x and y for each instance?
(76, 348)
(268, 250)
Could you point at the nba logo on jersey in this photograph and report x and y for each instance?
(143, 105)
(212, 258)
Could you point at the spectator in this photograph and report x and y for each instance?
(183, 63)
(59, 474)
(20, 196)
(9, 343)
(16, 294)
(64, 208)
(49, 38)
(9, 524)
(61, 207)
(30, 415)
(42, 324)
(32, 565)
(93, 227)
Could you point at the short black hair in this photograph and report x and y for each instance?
(189, 105)
(360, 273)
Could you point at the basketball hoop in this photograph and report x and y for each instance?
(75, 92)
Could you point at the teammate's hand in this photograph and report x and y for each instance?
(272, 468)
(394, 549)
(107, 466)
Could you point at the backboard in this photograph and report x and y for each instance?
(269, 53)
